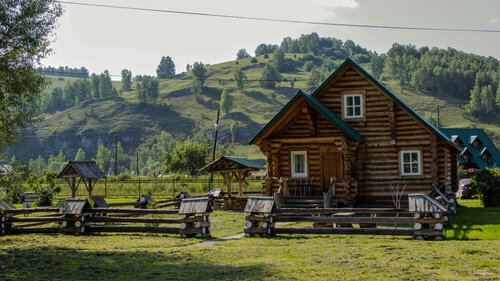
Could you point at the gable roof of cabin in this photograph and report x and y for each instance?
(399, 101)
(476, 152)
(320, 107)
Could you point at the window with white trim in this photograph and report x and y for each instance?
(299, 164)
(353, 106)
(410, 163)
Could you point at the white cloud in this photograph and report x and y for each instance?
(493, 20)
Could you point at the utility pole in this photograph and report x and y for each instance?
(115, 145)
(437, 116)
(138, 178)
(216, 127)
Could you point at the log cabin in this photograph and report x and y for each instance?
(356, 141)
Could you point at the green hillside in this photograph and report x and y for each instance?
(180, 113)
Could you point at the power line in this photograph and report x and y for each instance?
(227, 16)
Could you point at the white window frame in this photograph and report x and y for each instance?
(419, 162)
(294, 174)
(346, 96)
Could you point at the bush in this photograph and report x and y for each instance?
(253, 60)
(486, 184)
(45, 196)
(266, 56)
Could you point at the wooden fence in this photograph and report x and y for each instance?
(76, 216)
(424, 220)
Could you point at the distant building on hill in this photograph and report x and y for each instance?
(478, 151)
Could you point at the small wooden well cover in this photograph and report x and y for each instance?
(197, 205)
(214, 193)
(74, 206)
(100, 202)
(6, 206)
(259, 204)
(422, 203)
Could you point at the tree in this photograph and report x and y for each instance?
(187, 156)
(269, 76)
(314, 79)
(148, 90)
(37, 166)
(242, 54)
(94, 79)
(199, 72)
(264, 49)
(377, 64)
(105, 85)
(234, 131)
(199, 76)
(26, 30)
(166, 68)
(488, 99)
(241, 79)
(126, 79)
(226, 102)
(103, 158)
(57, 163)
(475, 105)
(279, 60)
(80, 155)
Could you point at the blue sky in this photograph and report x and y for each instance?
(114, 39)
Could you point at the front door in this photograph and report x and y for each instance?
(331, 167)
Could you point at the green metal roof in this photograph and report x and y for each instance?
(245, 162)
(433, 129)
(466, 135)
(316, 104)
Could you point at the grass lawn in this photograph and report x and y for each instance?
(470, 252)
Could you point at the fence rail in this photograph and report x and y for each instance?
(157, 187)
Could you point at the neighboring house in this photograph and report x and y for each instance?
(353, 129)
(478, 151)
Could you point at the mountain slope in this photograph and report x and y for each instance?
(182, 114)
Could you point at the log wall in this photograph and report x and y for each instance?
(387, 129)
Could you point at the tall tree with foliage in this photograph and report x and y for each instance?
(475, 105)
(269, 76)
(105, 86)
(80, 155)
(103, 158)
(315, 78)
(377, 64)
(242, 54)
(126, 80)
(94, 79)
(488, 99)
(279, 60)
(187, 156)
(56, 163)
(148, 90)
(241, 79)
(198, 77)
(226, 102)
(26, 30)
(166, 68)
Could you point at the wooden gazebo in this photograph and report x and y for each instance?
(88, 171)
(229, 166)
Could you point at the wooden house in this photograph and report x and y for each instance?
(356, 133)
(478, 151)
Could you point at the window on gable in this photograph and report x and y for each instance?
(353, 106)
(299, 164)
(410, 163)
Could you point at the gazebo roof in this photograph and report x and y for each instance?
(84, 169)
(232, 163)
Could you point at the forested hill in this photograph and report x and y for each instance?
(143, 111)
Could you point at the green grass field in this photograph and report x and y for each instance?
(472, 255)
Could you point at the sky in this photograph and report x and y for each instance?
(115, 39)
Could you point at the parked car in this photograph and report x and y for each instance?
(464, 190)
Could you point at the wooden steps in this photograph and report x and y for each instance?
(303, 202)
